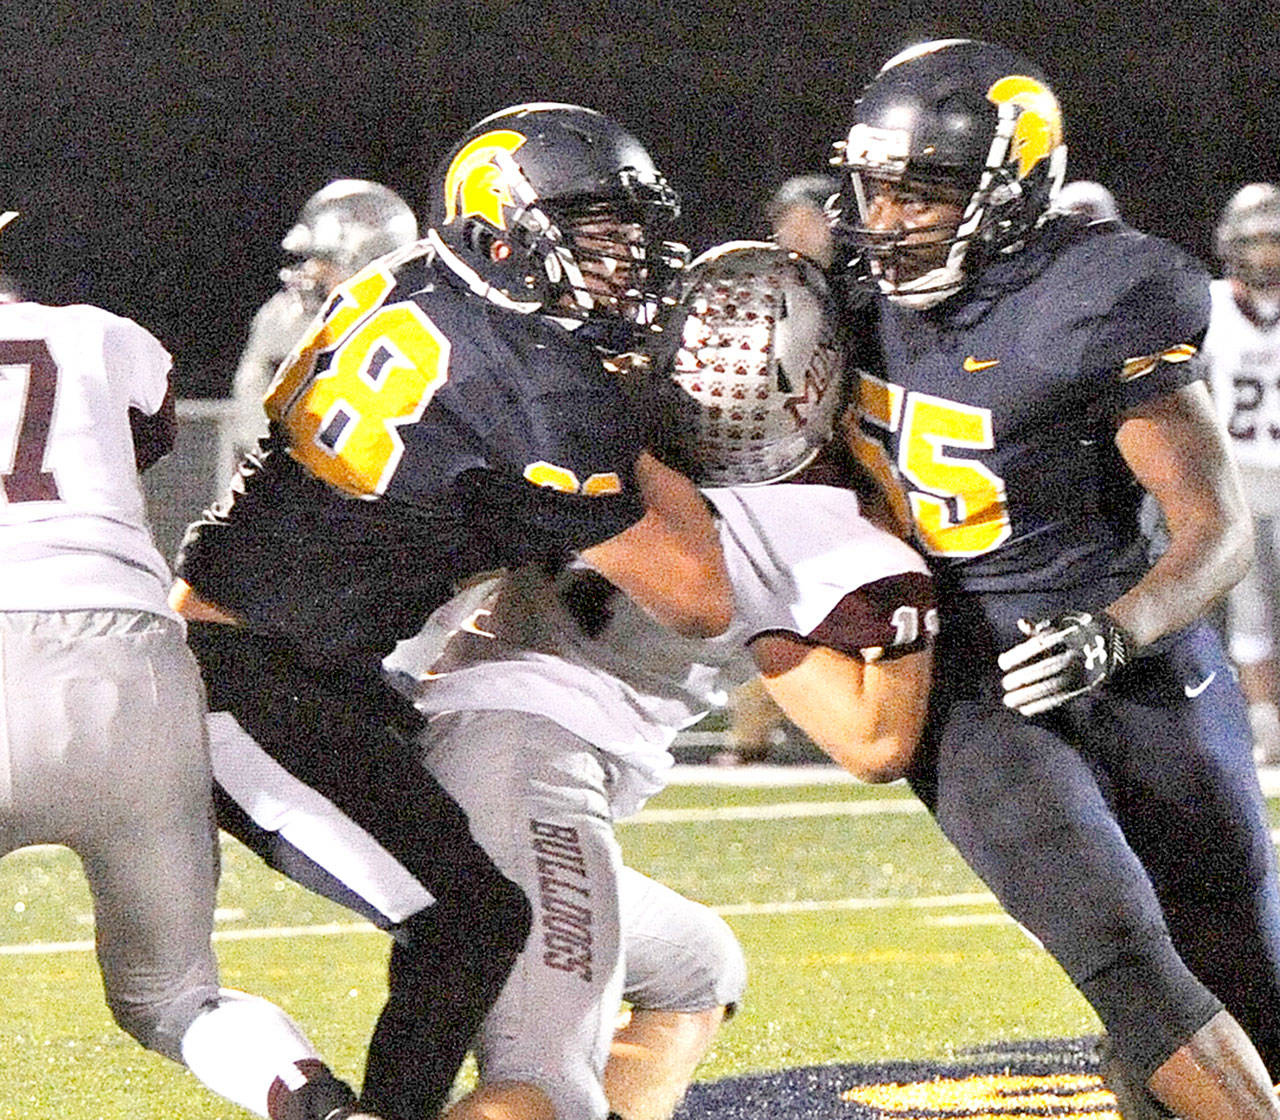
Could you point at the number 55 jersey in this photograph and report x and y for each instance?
(995, 422)
(421, 433)
(69, 377)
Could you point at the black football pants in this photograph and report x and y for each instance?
(350, 741)
(1127, 832)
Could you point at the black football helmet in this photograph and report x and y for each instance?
(968, 116)
(560, 211)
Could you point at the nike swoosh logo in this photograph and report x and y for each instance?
(1194, 690)
(973, 365)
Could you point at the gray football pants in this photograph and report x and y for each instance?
(537, 797)
(102, 748)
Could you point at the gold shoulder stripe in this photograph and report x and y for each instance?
(1134, 368)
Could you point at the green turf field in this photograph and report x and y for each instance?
(866, 937)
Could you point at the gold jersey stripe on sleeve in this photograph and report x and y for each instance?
(1134, 368)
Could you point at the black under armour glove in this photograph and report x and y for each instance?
(1062, 658)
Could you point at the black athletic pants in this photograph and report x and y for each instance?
(349, 739)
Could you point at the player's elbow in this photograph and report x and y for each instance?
(873, 758)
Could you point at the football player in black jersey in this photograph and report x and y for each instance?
(448, 412)
(1088, 748)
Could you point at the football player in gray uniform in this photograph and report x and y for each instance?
(554, 704)
(102, 737)
(340, 229)
(1243, 350)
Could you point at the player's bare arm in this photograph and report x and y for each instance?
(669, 561)
(1176, 450)
(866, 715)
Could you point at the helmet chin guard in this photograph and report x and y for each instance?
(761, 354)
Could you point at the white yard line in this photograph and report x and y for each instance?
(341, 929)
(774, 812)
(743, 776)
(809, 906)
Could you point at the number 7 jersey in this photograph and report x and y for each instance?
(992, 418)
(73, 528)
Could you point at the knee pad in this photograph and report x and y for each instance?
(690, 965)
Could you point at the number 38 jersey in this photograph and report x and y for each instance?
(423, 431)
(73, 528)
(993, 416)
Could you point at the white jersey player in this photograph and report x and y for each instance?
(102, 743)
(1243, 348)
(341, 228)
(555, 702)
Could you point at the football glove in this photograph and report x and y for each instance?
(1062, 658)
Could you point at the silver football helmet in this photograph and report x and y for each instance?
(1247, 237)
(761, 354)
(1087, 199)
(346, 224)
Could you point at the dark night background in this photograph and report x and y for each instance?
(158, 154)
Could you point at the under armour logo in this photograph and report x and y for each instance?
(1095, 653)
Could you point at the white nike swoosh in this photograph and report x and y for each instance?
(1194, 690)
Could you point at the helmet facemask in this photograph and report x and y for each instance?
(609, 261)
(957, 121)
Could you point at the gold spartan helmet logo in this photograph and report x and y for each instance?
(476, 184)
(1038, 130)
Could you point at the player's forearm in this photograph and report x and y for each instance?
(866, 717)
(1202, 563)
(1177, 451)
(670, 562)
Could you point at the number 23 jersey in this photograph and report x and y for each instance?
(993, 417)
(1244, 359)
(421, 434)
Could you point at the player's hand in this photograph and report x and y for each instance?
(1063, 657)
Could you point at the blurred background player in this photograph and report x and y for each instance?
(1035, 374)
(1243, 350)
(340, 229)
(556, 701)
(103, 711)
(447, 414)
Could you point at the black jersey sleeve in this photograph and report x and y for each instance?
(540, 522)
(1148, 345)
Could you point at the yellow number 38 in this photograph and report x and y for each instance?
(384, 364)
